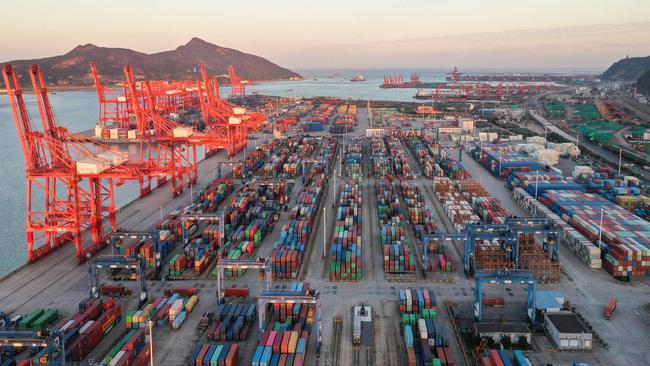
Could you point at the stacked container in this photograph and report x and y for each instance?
(345, 252)
(397, 254)
(232, 322)
(286, 335)
(131, 349)
(625, 236)
(215, 354)
(425, 337)
(290, 247)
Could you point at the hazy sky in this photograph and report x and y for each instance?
(339, 34)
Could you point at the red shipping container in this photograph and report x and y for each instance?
(233, 355)
(109, 303)
(449, 356)
(285, 342)
(94, 310)
(144, 357)
(297, 360)
(277, 342)
(137, 338)
(199, 358)
(495, 358)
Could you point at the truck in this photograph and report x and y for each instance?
(609, 309)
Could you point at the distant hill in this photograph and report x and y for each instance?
(629, 68)
(73, 68)
(643, 84)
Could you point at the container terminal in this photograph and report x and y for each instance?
(308, 231)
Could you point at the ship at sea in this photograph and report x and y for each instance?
(358, 78)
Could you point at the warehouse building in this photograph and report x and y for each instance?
(566, 331)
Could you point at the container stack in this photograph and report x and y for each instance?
(232, 322)
(397, 254)
(215, 354)
(458, 210)
(624, 235)
(501, 161)
(353, 159)
(286, 337)
(381, 165)
(132, 349)
(290, 247)
(399, 158)
(345, 251)
(418, 215)
(425, 338)
(422, 156)
(94, 321)
(582, 247)
(215, 193)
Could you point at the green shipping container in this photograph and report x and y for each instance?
(48, 317)
(27, 321)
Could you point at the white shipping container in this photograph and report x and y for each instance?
(238, 110)
(98, 131)
(132, 134)
(114, 158)
(115, 133)
(88, 166)
(182, 132)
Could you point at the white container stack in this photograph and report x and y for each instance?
(582, 247)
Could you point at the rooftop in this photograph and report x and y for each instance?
(502, 328)
(566, 323)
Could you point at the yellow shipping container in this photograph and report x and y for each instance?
(293, 342)
(191, 303)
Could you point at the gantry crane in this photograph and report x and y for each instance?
(262, 264)
(53, 341)
(507, 278)
(311, 297)
(224, 119)
(237, 88)
(133, 263)
(507, 234)
(113, 109)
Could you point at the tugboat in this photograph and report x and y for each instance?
(358, 78)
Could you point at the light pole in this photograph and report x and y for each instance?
(600, 229)
(536, 183)
(161, 215)
(324, 232)
(150, 323)
(620, 157)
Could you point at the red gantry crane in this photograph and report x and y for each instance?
(237, 87)
(75, 183)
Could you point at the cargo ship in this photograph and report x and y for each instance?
(358, 78)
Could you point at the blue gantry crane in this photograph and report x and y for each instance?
(133, 263)
(506, 234)
(291, 297)
(51, 342)
(505, 278)
(263, 264)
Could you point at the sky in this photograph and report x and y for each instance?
(589, 34)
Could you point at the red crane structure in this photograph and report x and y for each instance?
(113, 108)
(75, 182)
(223, 119)
(237, 88)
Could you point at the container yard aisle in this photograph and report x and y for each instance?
(58, 274)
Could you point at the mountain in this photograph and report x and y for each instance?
(73, 68)
(629, 68)
(643, 84)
